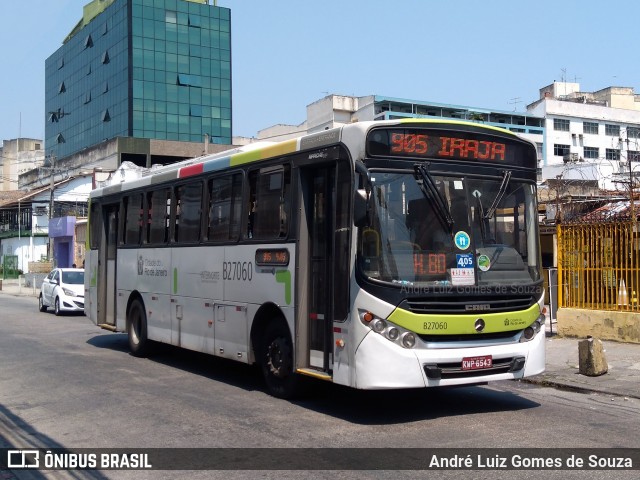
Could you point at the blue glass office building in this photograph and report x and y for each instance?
(150, 69)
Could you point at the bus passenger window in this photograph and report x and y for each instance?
(225, 194)
(188, 210)
(96, 227)
(159, 207)
(133, 219)
(269, 202)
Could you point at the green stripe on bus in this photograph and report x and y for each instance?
(465, 323)
(175, 280)
(456, 122)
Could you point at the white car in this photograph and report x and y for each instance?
(63, 289)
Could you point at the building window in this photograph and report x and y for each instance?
(561, 124)
(590, 127)
(105, 116)
(105, 57)
(189, 80)
(170, 17)
(60, 63)
(613, 154)
(59, 138)
(88, 43)
(87, 97)
(62, 88)
(612, 130)
(633, 155)
(591, 152)
(560, 150)
(633, 132)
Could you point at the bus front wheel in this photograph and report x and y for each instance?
(277, 361)
(137, 329)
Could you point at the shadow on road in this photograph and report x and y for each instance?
(15, 433)
(377, 407)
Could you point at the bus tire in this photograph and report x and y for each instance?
(139, 344)
(276, 360)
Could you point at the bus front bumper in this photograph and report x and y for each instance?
(380, 364)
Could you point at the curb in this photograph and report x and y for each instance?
(580, 388)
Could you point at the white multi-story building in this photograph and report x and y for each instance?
(590, 135)
(579, 135)
(335, 110)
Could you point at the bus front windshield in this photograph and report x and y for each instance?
(434, 229)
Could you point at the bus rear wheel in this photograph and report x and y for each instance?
(139, 344)
(277, 361)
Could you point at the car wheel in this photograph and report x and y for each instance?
(56, 307)
(41, 306)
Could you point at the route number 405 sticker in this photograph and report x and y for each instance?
(464, 260)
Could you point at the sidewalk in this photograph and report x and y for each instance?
(622, 379)
(13, 287)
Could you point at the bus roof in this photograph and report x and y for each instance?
(264, 150)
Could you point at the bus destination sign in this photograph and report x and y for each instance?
(446, 145)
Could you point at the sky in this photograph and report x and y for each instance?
(287, 54)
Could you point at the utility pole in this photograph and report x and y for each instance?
(52, 188)
(52, 171)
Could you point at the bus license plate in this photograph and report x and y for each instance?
(477, 363)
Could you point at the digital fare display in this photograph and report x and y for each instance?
(272, 257)
(450, 145)
(425, 264)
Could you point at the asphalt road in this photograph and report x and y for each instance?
(66, 383)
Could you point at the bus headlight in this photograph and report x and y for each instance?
(408, 340)
(532, 330)
(378, 325)
(393, 333)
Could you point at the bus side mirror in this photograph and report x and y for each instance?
(361, 208)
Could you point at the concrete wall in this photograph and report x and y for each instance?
(602, 324)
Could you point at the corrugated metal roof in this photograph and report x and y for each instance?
(11, 197)
(614, 211)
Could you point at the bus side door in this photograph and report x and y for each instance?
(324, 256)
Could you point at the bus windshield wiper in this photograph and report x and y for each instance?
(430, 191)
(481, 217)
(506, 176)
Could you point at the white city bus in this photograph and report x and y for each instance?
(378, 255)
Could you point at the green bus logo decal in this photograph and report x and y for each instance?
(284, 276)
(175, 280)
